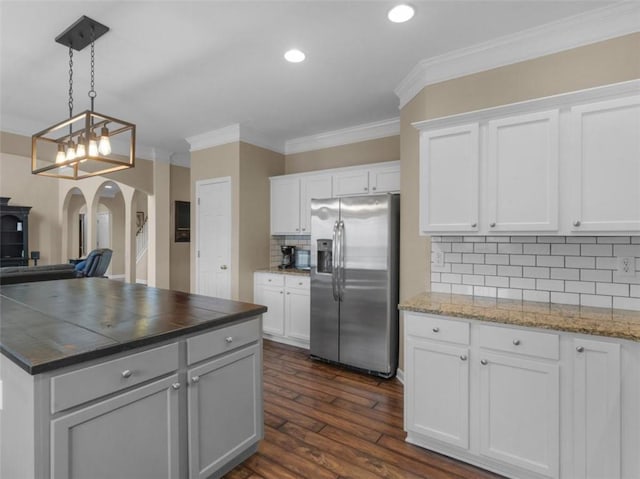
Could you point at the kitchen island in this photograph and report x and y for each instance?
(528, 390)
(104, 379)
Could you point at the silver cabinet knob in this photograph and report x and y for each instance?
(366, 189)
(175, 386)
(463, 357)
(269, 280)
(228, 339)
(492, 225)
(224, 266)
(576, 223)
(483, 362)
(580, 349)
(288, 293)
(374, 188)
(516, 342)
(304, 229)
(436, 329)
(300, 283)
(281, 292)
(473, 225)
(195, 379)
(297, 229)
(126, 373)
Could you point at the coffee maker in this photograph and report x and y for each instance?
(288, 257)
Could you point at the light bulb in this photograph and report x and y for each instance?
(61, 156)
(93, 145)
(80, 150)
(294, 56)
(71, 151)
(401, 13)
(104, 147)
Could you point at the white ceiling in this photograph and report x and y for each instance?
(180, 68)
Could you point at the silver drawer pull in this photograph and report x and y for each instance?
(436, 329)
(576, 223)
(195, 379)
(580, 349)
(483, 362)
(126, 373)
(300, 283)
(229, 339)
(463, 357)
(288, 292)
(175, 386)
(516, 342)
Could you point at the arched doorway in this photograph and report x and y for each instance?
(110, 233)
(74, 209)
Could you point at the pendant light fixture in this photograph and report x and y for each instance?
(90, 143)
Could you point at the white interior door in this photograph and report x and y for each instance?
(213, 247)
(104, 230)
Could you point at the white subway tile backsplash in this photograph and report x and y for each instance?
(557, 261)
(522, 260)
(579, 262)
(612, 289)
(596, 250)
(535, 272)
(532, 295)
(626, 303)
(596, 301)
(570, 270)
(565, 273)
(565, 249)
(550, 284)
(522, 283)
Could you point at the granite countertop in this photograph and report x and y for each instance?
(51, 324)
(292, 271)
(615, 323)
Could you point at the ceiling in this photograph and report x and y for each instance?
(179, 68)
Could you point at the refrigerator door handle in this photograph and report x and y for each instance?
(341, 275)
(334, 263)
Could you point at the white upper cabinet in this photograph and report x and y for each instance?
(350, 183)
(312, 187)
(369, 180)
(567, 164)
(449, 179)
(384, 180)
(606, 168)
(285, 206)
(523, 173)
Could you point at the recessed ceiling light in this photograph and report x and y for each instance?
(401, 13)
(294, 56)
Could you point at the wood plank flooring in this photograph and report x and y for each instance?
(326, 422)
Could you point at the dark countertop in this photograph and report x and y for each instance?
(290, 271)
(51, 324)
(615, 323)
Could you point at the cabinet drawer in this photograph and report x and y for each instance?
(82, 385)
(441, 329)
(270, 279)
(531, 343)
(296, 281)
(221, 340)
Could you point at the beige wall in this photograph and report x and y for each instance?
(179, 252)
(25, 189)
(363, 152)
(602, 63)
(256, 166)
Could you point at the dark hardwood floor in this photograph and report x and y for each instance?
(326, 422)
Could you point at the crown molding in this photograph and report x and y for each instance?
(249, 135)
(368, 131)
(180, 159)
(209, 139)
(590, 27)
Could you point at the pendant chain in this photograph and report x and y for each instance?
(92, 92)
(70, 82)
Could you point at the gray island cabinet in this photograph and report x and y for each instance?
(181, 397)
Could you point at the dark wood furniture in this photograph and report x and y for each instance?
(14, 234)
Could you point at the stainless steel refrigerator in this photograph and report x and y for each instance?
(354, 282)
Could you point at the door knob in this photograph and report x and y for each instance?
(224, 266)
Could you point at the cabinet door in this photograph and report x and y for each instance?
(519, 412)
(272, 298)
(134, 434)
(312, 187)
(297, 313)
(351, 183)
(523, 173)
(437, 391)
(449, 179)
(225, 410)
(606, 167)
(384, 180)
(596, 409)
(285, 206)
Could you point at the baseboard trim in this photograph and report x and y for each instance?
(400, 375)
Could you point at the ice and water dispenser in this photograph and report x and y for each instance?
(325, 256)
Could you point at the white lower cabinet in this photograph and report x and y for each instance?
(287, 298)
(525, 403)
